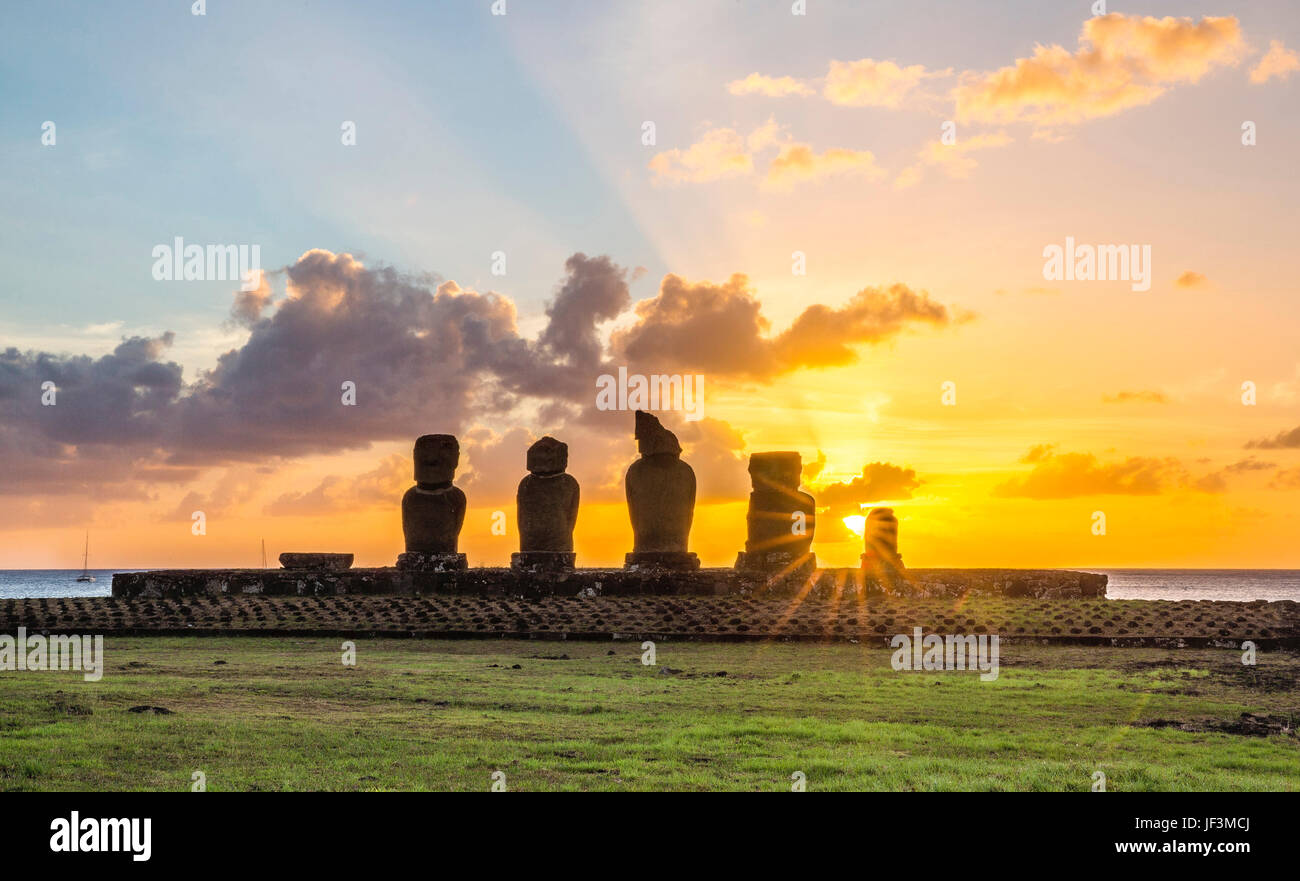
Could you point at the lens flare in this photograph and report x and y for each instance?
(856, 523)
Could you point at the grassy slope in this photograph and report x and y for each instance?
(286, 714)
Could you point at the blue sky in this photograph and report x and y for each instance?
(475, 132)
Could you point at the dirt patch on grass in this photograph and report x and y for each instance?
(1246, 725)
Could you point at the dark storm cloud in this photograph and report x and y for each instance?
(417, 358)
(424, 356)
(119, 398)
(103, 416)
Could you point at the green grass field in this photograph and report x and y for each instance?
(286, 714)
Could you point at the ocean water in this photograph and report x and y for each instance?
(1124, 584)
(55, 583)
(1202, 584)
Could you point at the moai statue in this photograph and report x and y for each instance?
(547, 509)
(781, 519)
(660, 499)
(880, 545)
(433, 510)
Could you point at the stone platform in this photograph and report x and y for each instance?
(505, 582)
(864, 620)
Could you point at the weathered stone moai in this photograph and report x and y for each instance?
(880, 544)
(660, 499)
(546, 508)
(781, 519)
(433, 510)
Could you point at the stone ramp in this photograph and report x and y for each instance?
(1070, 621)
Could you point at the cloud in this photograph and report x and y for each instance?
(720, 328)
(723, 153)
(1287, 479)
(382, 486)
(716, 452)
(952, 158)
(1121, 62)
(812, 470)
(862, 83)
(879, 481)
(1278, 62)
(1144, 396)
(1283, 440)
(249, 305)
(769, 86)
(425, 355)
(1070, 475)
(871, 83)
(417, 357)
(1212, 483)
(1190, 279)
(1249, 464)
(719, 153)
(908, 177)
(104, 417)
(798, 162)
(594, 291)
(235, 487)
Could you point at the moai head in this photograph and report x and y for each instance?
(548, 456)
(652, 438)
(775, 471)
(436, 458)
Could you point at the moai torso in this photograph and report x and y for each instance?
(432, 518)
(660, 491)
(661, 502)
(547, 500)
(780, 517)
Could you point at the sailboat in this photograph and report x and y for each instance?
(85, 563)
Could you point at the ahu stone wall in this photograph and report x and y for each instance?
(491, 581)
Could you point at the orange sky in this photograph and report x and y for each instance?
(922, 265)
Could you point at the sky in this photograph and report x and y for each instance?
(841, 219)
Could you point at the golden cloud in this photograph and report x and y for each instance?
(798, 162)
(871, 83)
(1191, 279)
(719, 153)
(769, 86)
(1278, 62)
(952, 158)
(1070, 475)
(1121, 62)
